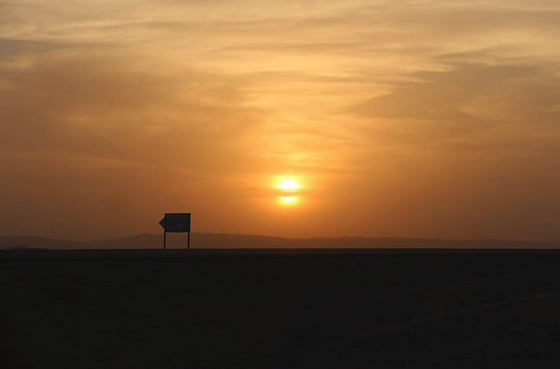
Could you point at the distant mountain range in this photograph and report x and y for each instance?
(237, 241)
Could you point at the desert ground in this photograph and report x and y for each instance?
(279, 309)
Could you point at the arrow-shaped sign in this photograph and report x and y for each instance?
(176, 223)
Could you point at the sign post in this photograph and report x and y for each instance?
(176, 223)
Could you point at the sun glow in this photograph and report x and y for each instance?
(288, 199)
(289, 190)
(288, 184)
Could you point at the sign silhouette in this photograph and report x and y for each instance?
(176, 223)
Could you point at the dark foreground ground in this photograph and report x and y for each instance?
(279, 309)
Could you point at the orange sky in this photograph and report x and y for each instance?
(395, 118)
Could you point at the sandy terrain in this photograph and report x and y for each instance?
(314, 309)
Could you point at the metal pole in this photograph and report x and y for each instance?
(164, 239)
(189, 241)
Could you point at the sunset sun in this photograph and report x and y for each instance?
(288, 191)
(288, 184)
(288, 199)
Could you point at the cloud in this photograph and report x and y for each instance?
(98, 106)
(472, 93)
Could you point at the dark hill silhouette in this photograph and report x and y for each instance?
(238, 241)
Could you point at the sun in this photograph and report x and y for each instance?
(289, 190)
(288, 199)
(288, 184)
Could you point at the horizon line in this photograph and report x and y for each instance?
(297, 238)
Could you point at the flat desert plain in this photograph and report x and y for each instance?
(280, 309)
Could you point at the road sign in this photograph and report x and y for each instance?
(176, 223)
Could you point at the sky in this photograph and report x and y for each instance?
(293, 118)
